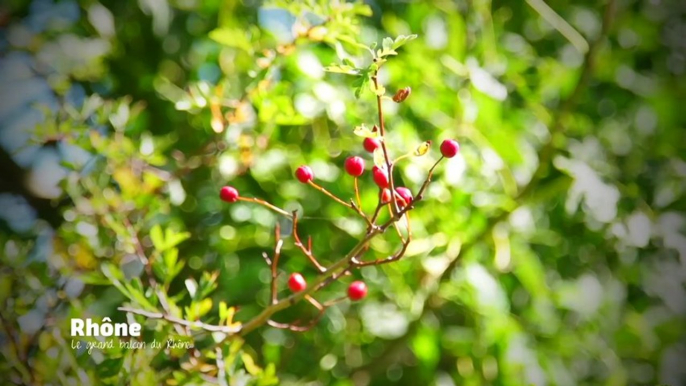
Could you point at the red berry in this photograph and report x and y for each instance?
(357, 290)
(385, 196)
(371, 144)
(304, 174)
(228, 194)
(449, 148)
(296, 282)
(354, 166)
(380, 177)
(404, 193)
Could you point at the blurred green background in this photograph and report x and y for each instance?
(550, 251)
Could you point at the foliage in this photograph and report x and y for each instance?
(551, 250)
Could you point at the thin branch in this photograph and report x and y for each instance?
(361, 213)
(382, 130)
(275, 261)
(560, 25)
(331, 195)
(305, 250)
(395, 257)
(296, 326)
(266, 204)
(229, 330)
(357, 195)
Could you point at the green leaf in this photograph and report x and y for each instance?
(362, 9)
(359, 85)
(343, 69)
(231, 37)
(173, 238)
(157, 237)
(401, 40)
(250, 365)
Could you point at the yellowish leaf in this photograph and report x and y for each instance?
(363, 131)
(250, 365)
(422, 149)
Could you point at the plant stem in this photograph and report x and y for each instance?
(265, 203)
(321, 189)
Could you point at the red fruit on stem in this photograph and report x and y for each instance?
(380, 177)
(357, 290)
(449, 148)
(304, 174)
(371, 144)
(354, 166)
(385, 196)
(296, 282)
(404, 193)
(228, 194)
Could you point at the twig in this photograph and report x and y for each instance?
(275, 262)
(266, 204)
(229, 330)
(307, 251)
(357, 195)
(331, 195)
(382, 131)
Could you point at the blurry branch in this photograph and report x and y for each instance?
(560, 24)
(545, 154)
(181, 322)
(556, 127)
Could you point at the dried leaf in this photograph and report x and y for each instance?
(363, 131)
(422, 149)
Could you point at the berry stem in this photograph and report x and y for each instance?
(275, 261)
(361, 213)
(314, 185)
(395, 223)
(335, 301)
(357, 195)
(382, 130)
(265, 203)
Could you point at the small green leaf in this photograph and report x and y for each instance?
(157, 237)
(359, 86)
(343, 69)
(250, 365)
(231, 37)
(387, 44)
(402, 39)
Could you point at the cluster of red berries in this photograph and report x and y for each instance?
(357, 290)
(354, 166)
